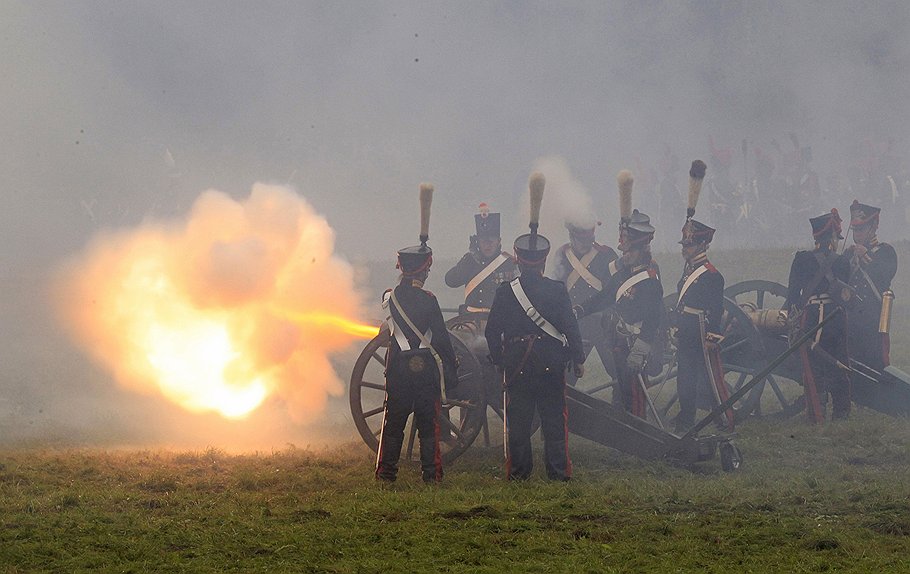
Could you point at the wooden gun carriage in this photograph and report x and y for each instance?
(755, 334)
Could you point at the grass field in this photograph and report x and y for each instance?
(809, 499)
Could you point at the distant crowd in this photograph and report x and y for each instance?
(765, 195)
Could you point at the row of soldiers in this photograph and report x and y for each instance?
(540, 330)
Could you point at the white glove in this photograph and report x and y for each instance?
(635, 362)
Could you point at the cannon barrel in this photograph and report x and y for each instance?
(769, 321)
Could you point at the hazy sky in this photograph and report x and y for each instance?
(117, 111)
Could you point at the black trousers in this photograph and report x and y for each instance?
(404, 396)
(829, 380)
(864, 340)
(547, 396)
(594, 338)
(628, 392)
(691, 381)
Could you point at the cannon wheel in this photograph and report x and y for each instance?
(462, 415)
(741, 339)
(781, 393)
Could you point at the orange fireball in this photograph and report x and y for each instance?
(222, 310)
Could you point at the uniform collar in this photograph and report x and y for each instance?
(696, 262)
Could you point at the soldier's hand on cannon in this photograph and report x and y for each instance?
(637, 356)
(578, 369)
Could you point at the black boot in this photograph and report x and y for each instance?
(390, 451)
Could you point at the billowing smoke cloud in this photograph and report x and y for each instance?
(239, 301)
(567, 199)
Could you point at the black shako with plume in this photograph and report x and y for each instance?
(413, 261)
(695, 231)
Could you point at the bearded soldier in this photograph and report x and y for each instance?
(484, 266)
(634, 296)
(699, 309)
(873, 265)
(817, 287)
(585, 266)
(420, 359)
(532, 335)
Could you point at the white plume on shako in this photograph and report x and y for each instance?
(239, 301)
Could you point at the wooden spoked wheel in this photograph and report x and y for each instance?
(781, 393)
(463, 411)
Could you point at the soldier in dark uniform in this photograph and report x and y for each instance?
(484, 266)
(699, 311)
(818, 286)
(415, 362)
(634, 296)
(873, 265)
(585, 266)
(533, 355)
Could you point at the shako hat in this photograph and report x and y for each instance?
(696, 232)
(826, 224)
(532, 248)
(417, 259)
(486, 223)
(862, 214)
(640, 223)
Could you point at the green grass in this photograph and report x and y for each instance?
(810, 499)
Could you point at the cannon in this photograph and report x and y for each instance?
(478, 399)
(755, 332)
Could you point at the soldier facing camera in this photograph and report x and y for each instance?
(484, 266)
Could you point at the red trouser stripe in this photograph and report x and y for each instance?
(505, 434)
(565, 427)
(718, 370)
(437, 454)
(813, 406)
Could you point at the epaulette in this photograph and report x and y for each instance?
(603, 248)
(652, 272)
(564, 248)
(428, 292)
(710, 267)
